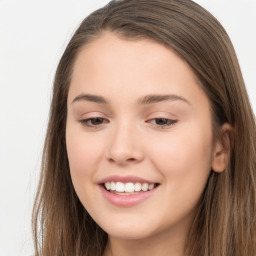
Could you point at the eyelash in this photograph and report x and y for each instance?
(88, 122)
(170, 122)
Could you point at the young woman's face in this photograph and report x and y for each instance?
(139, 122)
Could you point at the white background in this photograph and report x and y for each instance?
(33, 36)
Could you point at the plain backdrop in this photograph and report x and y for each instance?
(33, 35)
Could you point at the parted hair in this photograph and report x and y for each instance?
(225, 223)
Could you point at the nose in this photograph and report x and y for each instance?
(125, 146)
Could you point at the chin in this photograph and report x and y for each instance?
(130, 230)
(130, 234)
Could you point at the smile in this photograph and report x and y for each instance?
(127, 191)
(129, 187)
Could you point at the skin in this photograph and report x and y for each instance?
(129, 140)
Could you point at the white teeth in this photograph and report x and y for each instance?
(144, 187)
(151, 186)
(113, 186)
(108, 185)
(128, 187)
(137, 187)
(119, 187)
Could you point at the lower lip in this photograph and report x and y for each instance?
(126, 200)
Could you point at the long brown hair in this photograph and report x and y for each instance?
(225, 223)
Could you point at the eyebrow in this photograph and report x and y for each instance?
(148, 99)
(155, 98)
(91, 98)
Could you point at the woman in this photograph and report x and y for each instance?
(150, 148)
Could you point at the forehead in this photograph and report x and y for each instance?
(113, 66)
(109, 50)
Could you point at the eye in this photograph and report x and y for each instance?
(94, 121)
(162, 122)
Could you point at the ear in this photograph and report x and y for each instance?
(222, 149)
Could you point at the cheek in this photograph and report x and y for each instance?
(84, 153)
(184, 158)
(185, 163)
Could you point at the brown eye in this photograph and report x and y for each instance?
(163, 121)
(95, 121)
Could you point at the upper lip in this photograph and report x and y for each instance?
(125, 179)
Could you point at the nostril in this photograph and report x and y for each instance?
(122, 160)
(131, 159)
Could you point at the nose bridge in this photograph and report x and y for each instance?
(124, 144)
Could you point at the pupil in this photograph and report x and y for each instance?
(96, 121)
(161, 121)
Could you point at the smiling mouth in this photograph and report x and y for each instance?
(128, 188)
